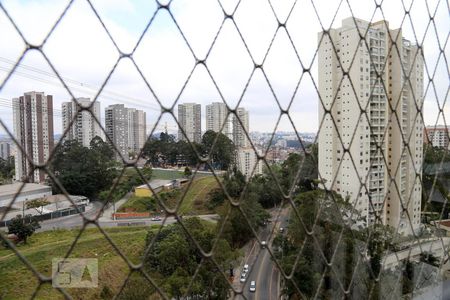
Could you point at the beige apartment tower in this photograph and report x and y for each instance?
(84, 127)
(239, 128)
(217, 118)
(190, 119)
(369, 115)
(126, 127)
(33, 130)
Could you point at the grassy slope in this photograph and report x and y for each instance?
(17, 282)
(194, 201)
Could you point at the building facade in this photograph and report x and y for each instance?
(126, 127)
(437, 136)
(366, 75)
(248, 163)
(189, 117)
(33, 129)
(240, 128)
(84, 127)
(137, 129)
(5, 150)
(217, 118)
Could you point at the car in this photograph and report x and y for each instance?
(263, 244)
(156, 218)
(243, 277)
(252, 286)
(245, 270)
(281, 229)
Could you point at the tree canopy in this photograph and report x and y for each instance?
(176, 258)
(84, 171)
(23, 227)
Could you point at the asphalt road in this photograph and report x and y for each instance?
(76, 221)
(262, 269)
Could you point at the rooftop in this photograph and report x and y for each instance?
(11, 189)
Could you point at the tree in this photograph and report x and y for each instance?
(84, 171)
(37, 204)
(176, 258)
(219, 148)
(187, 172)
(6, 170)
(23, 227)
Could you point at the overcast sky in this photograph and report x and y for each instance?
(84, 55)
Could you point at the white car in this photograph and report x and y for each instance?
(252, 286)
(263, 244)
(156, 218)
(245, 270)
(243, 277)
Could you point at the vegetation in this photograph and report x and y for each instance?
(23, 228)
(175, 258)
(240, 221)
(18, 282)
(319, 213)
(37, 204)
(139, 204)
(81, 170)
(126, 182)
(165, 151)
(6, 170)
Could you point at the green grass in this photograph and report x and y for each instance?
(195, 200)
(138, 204)
(170, 174)
(166, 174)
(194, 203)
(18, 282)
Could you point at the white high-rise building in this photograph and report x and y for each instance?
(356, 146)
(217, 117)
(190, 119)
(84, 128)
(33, 129)
(239, 136)
(126, 127)
(248, 163)
(437, 136)
(5, 150)
(137, 129)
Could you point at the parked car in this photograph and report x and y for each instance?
(243, 277)
(252, 286)
(281, 229)
(156, 218)
(245, 270)
(263, 244)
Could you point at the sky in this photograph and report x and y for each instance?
(85, 56)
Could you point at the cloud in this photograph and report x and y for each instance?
(83, 53)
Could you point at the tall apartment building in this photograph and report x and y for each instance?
(216, 117)
(437, 136)
(248, 163)
(137, 129)
(239, 137)
(84, 128)
(126, 127)
(189, 117)
(33, 129)
(5, 150)
(375, 155)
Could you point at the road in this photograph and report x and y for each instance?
(76, 221)
(262, 269)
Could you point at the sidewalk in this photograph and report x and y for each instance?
(106, 216)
